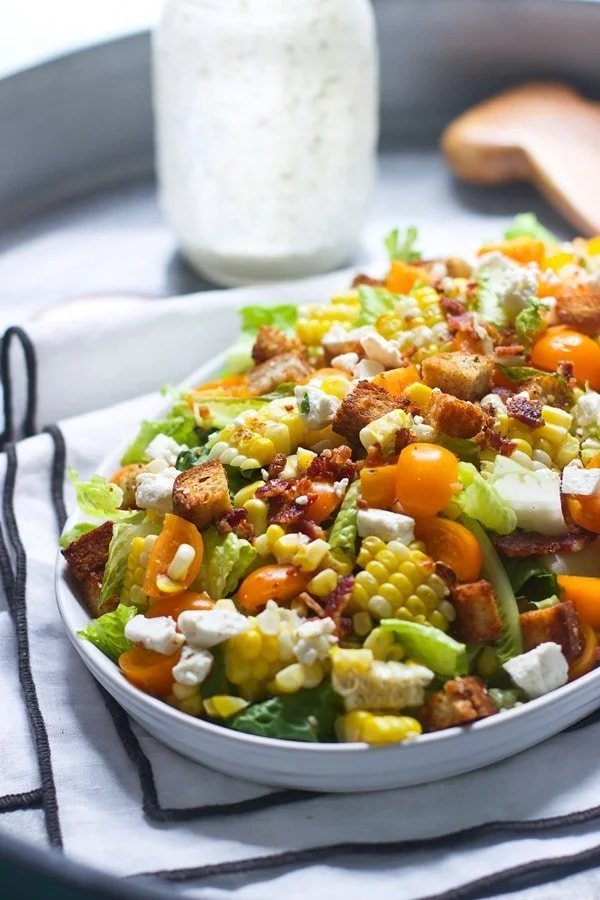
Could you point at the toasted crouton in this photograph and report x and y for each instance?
(579, 306)
(461, 701)
(201, 494)
(464, 375)
(364, 404)
(549, 390)
(272, 342)
(87, 558)
(454, 417)
(458, 268)
(289, 366)
(558, 623)
(125, 478)
(477, 616)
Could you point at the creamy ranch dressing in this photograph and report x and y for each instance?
(266, 115)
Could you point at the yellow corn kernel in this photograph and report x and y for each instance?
(238, 670)
(304, 458)
(184, 691)
(313, 675)
(374, 728)
(246, 493)
(192, 706)
(270, 648)
(248, 644)
(593, 246)
(419, 394)
(290, 679)
(379, 607)
(362, 623)
(345, 661)
(552, 415)
(556, 261)
(258, 512)
(379, 642)
(222, 706)
(323, 583)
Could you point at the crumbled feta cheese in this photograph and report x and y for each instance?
(322, 407)
(421, 431)
(367, 369)
(583, 482)
(313, 640)
(302, 500)
(154, 487)
(540, 670)
(345, 361)
(388, 526)
(193, 666)
(338, 340)
(381, 350)
(340, 487)
(534, 495)
(158, 634)
(207, 628)
(164, 447)
(513, 284)
(587, 410)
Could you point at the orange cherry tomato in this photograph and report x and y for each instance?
(230, 386)
(395, 380)
(585, 594)
(151, 672)
(585, 511)
(378, 486)
(402, 277)
(560, 344)
(426, 479)
(279, 583)
(175, 531)
(594, 462)
(522, 249)
(451, 543)
(174, 604)
(326, 503)
(587, 659)
(467, 342)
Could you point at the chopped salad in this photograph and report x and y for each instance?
(383, 520)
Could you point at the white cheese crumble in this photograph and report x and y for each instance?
(346, 361)
(322, 407)
(207, 628)
(582, 482)
(389, 526)
(381, 350)
(313, 640)
(193, 666)
(164, 447)
(513, 284)
(540, 670)
(158, 634)
(587, 410)
(154, 487)
(367, 369)
(340, 487)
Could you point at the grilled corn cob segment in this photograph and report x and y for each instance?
(368, 683)
(137, 561)
(550, 445)
(383, 431)
(314, 321)
(257, 436)
(417, 320)
(375, 728)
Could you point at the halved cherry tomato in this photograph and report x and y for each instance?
(561, 344)
(402, 277)
(174, 604)
(426, 479)
(451, 543)
(230, 386)
(594, 462)
(585, 511)
(279, 583)
(326, 503)
(467, 342)
(587, 659)
(585, 594)
(395, 380)
(175, 531)
(378, 486)
(149, 671)
(522, 249)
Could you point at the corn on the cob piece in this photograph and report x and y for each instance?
(187, 698)
(360, 725)
(257, 436)
(549, 445)
(399, 581)
(417, 320)
(368, 683)
(137, 561)
(383, 431)
(314, 321)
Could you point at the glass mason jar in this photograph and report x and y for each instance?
(266, 124)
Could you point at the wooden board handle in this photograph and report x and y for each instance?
(543, 132)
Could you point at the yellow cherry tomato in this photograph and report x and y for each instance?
(560, 344)
(426, 477)
(278, 583)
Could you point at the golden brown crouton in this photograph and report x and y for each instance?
(458, 268)
(464, 375)
(454, 417)
(290, 366)
(549, 390)
(272, 342)
(87, 558)
(558, 623)
(201, 494)
(125, 478)
(477, 617)
(461, 701)
(579, 306)
(364, 404)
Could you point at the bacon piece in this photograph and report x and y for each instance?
(338, 600)
(461, 321)
(453, 307)
(311, 529)
(510, 350)
(236, 521)
(366, 279)
(530, 543)
(333, 465)
(446, 573)
(281, 496)
(527, 411)
(401, 440)
(277, 465)
(310, 603)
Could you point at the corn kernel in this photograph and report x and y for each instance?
(184, 691)
(222, 706)
(192, 706)
(419, 394)
(246, 493)
(290, 679)
(362, 623)
(379, 642)
(270, 648)
(323, 583)
(379, 607)
(346, 660)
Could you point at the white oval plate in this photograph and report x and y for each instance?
(323, 767)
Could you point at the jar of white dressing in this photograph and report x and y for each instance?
(266, 123)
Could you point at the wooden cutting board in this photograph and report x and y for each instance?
(541, 132)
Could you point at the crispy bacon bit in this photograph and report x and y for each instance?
(361, 503)
(507, 448)
(345, 628)
(530, 543)
(446, 573)
(311, 529)
(277, 465)
(366, 279)
(281, 496)
(236, 521)
(503, 392)
(401, 440)
(452, 306)
(338, 600)
(333, 464)
(461, 322)
(527, 411)
(275, 488)
(565, 369)
(310, 603)
(510, 350)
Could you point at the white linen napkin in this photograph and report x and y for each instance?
(78, 775)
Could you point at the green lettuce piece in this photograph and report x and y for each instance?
(187, 459)
(308, 715)
(531, 579)
(99, 498)
(522, 373)
(108, 632)
(430, 646)
(466, 450)
(217, 682)
(527, 225)
(344, 531)
(254, 317)
(402, 250)
(529, 321)
(180, 425)
(510, 642)
(488, 303)
(374, 302)
(118, 551)
(480, 500)
(76, 532)
(226, 560)
(216, 413)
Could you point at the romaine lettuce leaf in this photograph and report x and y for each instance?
(403, 250)
(531, 579)
(254, 317)
(374, 302)
(527, 225)
(76, 532)
(529, 321)
(308, 715)
(108, 632)
(430, 646)
(480, 500)
(180, 425)
(118, 551)
(226, 560)
(487, 302)
(344, 531)
(522, 373)
(100, 499)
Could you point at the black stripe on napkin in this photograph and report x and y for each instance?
(16, 589)
(28, 427)
(24, 800)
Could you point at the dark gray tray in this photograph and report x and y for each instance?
(78, 215)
